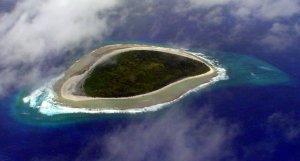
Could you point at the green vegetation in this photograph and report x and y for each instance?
(138, 72)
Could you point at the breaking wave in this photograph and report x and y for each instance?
(43, 100)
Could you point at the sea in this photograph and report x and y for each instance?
(252, 114)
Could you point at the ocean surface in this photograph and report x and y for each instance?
(251, 115)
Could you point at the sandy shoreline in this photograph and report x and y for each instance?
(65, 87)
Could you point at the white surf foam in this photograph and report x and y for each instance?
(43, 98)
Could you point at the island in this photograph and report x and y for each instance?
(130, 76)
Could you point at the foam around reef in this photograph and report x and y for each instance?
(43, 98)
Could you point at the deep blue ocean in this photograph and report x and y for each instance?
(252, 116)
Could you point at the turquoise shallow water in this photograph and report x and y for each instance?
(250, 71)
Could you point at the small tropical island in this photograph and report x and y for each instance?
(130, 76)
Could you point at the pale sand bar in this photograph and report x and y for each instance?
(66, 89)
